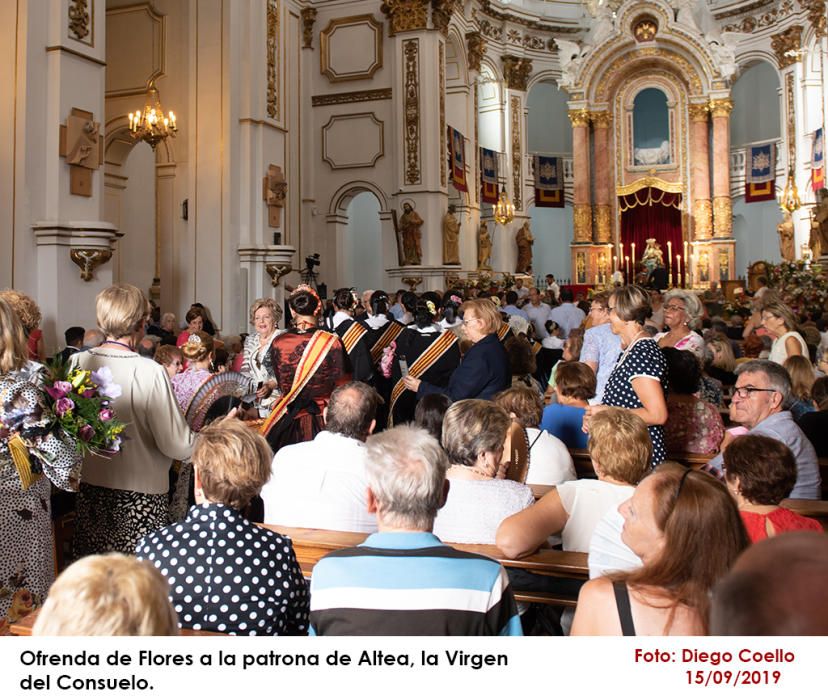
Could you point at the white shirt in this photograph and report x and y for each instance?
(538, 315)
(522, 293)
(606, 550)
(340, 317)
(475, 509)
(549, 460)
(320, 484)
(587, 501)
(567, 316)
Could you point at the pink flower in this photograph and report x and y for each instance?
(59, 389)
(63, 406)
(86, 433)
(106, 414)
(88, 394)
(387, 360)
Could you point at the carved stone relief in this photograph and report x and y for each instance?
(272, 59)
(411, 110)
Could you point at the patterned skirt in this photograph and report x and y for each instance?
(111, 520)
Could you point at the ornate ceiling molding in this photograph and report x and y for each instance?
(786, 46)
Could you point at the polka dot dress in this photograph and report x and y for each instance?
(643, 358)
(228, 575)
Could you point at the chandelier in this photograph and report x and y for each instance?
(151, 125)
(504, 210)
(790, 201)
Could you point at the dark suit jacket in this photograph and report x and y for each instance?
(483, 372)
(66, 353)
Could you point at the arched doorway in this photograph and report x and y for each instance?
(363, 262)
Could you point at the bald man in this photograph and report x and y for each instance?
(776, 587)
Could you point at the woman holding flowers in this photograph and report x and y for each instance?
(124, 496)
(33, 456)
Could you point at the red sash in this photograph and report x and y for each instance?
(421, 365)
(314, 354)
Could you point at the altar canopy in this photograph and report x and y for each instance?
(651, 213)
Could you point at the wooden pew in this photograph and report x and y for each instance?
(23, 628)
(311, 545)
(584, 469)
(818, 510)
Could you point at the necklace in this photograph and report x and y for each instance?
(638, 336)
(117, 342)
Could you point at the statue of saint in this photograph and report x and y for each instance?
(785, 229)
(653, 256)
(524, 241)
(484, 247)
(410, 223)
(451, 238)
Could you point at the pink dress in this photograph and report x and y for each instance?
(692, 342)
(692, 426)
(185, 384)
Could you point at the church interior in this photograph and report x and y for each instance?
(285, 129)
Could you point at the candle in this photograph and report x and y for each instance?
(678, 269)
(633, 255)
(627, 268)
(685, 254)
(614, 263)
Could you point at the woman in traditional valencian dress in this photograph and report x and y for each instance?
(198, 351)
(27, 565)
(353, 334)
(309, 364)
(429, 352)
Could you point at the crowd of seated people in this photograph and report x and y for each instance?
(406, 422)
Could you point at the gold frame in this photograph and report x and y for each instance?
(649, 181)
(325, 66)
(342, 117)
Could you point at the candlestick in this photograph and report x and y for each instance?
(678, 272)
(685, 257)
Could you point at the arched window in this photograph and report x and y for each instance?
(651, 128)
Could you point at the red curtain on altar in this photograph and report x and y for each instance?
(652, 213)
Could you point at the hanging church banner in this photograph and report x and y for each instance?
(760, 173)
(549, 190)
(457, 159)
(817, 162)
(488, 176)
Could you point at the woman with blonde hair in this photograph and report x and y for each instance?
(265, 315)
(108, 595)
(30, 449)
(29, 314)
(474, 432)
(682, 313)
(484, 369)
(780, 323)
(231, 464)
(198, 352)
(123, 497)
(721, 362)
(802, 381)
(686, 529)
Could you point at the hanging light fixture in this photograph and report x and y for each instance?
(790, 201)
(504, 210)
(151, 125)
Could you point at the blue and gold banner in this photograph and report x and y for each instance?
(457, 159)
(760, 172)
(488, 176)
(548, 181)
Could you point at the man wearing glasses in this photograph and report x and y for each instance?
(760, 397)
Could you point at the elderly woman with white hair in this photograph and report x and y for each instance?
(265, 314)
(682, 313)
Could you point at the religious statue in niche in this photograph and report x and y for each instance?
(451, 237)
(275, 192)
(653, 255)
(580, 268)
(484, 247)
(785, 229)
(80, 144)
(724, 265)
(410, 223)
(524, 240)
(651, 128)
(704, 265)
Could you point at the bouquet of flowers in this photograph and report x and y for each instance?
(801, 286)
(81, 402)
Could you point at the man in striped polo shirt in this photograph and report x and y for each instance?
(403, 580)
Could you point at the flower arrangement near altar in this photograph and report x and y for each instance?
(82, 405)
(801, 285)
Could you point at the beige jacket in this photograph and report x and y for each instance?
(156, 432)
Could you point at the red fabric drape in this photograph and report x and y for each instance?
(660, 221)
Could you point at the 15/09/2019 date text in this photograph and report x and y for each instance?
(741, 677)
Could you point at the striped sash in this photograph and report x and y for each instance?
(421, 365)
(351, 337)
(536, 347)
(315, 353)
(502, 331)
(390, 335)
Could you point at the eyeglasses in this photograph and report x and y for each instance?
(744, 391)
(674, 307)
(466, 321)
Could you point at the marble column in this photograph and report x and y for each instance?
(582, 204)
(601, 122)
(722, 207)
(700, 172)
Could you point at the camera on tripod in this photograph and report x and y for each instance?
(312, 261)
